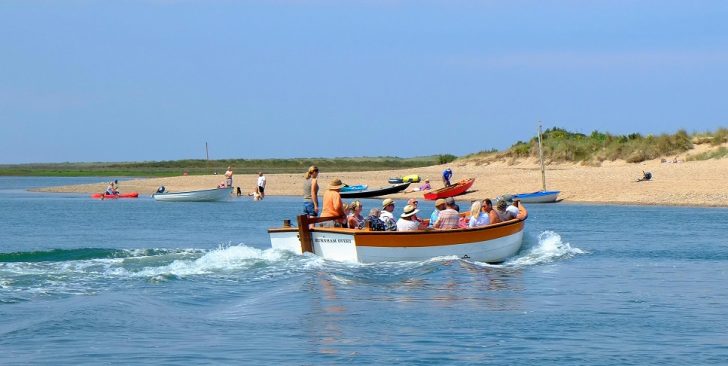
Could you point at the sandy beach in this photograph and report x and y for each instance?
(685, 183)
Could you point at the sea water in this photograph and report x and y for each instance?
(135, 281)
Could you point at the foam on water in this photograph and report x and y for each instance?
(549, 248)
(222, 259)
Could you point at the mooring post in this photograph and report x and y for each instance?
(304, 233)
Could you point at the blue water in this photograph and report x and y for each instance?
(136, 281)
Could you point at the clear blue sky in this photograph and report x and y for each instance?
(155, 80)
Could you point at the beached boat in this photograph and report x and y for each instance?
(113, 196)
(354, 188)
(412, 178)
(381, 191)
(453, 190)
(537, 197)
(205, 195)
(542, 196)
(492, 243)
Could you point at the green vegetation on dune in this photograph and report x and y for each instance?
(563, 146)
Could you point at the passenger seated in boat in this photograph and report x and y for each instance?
(387, 216)
(493, 217)
(477, 216)
(161, 189)
(372, 221)
(449, 217)
(355, 220)
(439, 206)
(505, 211)
(406, 220)
(512, 208)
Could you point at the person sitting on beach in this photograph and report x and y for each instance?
(332, 205)
(387, 216)
(446, 175)
(493, 217)
(355, 220)
(477, 216)
(645, 176)
(372, 221)
(406, 220)
(439, 206)
(423, 187)
(449, 217)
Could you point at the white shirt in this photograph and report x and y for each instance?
(386, 215)
(512, 211)
(261, 181)
(407, 225)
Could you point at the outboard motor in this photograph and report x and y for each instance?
(161, 189)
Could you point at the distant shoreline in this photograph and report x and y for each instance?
(687, 183)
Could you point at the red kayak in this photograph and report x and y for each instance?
(120, 195)
(453, 190)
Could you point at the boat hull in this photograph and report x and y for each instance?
(538, 197)
(207, 195)
(112, 196)
(453, 190)
(376, 192)
(492, 244)
(354, 188)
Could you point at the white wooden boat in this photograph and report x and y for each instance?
(492, 243)
(537, 197)
(205, 195)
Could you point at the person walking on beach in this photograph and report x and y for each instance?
(310, 192)
(229, 177)
(261, 185)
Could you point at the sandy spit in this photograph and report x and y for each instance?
(691, 183)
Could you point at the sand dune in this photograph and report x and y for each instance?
(691, 183)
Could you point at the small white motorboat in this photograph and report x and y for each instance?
(205, 195)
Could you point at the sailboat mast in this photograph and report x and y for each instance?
(540, 157)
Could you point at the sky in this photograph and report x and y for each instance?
(107, 81)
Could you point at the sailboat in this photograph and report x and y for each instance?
(542, 196)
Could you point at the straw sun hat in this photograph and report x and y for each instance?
(409, 210)
(336, 184)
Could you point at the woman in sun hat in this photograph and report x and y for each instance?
(333, 207)
(406, 220)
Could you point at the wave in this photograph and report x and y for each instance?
(79, 254)
(548, 249)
